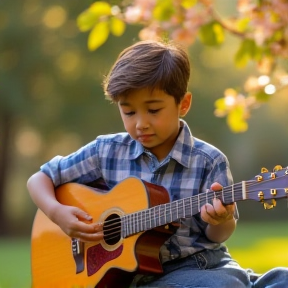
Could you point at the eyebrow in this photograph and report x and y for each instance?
(146, 102)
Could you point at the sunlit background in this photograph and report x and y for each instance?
(51, 102)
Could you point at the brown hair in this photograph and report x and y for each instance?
(149, 64)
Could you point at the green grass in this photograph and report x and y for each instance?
(260, 246)
(15, 263)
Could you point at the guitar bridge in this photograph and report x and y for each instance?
(78, 254)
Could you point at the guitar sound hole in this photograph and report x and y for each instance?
(112, 229)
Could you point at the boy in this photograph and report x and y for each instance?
(149, 84)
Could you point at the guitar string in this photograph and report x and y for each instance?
(135, 215)
(112, 230)
(115, 232)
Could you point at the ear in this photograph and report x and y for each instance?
(185, 104)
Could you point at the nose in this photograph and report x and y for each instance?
(142, 122)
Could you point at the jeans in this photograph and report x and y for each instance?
(274, 278)
(213, 269)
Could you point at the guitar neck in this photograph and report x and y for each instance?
(166, 213)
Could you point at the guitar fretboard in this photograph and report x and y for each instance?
(166, 213)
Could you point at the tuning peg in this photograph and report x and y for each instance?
(269, 205)
(263, 170)
(277, 168)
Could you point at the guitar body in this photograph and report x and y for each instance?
(100, 264)
(131, 207)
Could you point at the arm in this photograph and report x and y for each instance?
(220, 218)
(69, 219)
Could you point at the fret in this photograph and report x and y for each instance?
(132, 223)
(171, 213)
(243, 190)
(177, 209)
(143, 228)
(139, 221)
(183, 208)
(126, 225)
(165, 213)
(174, 208)
(147, 220)
(136, 222)
(186, 207)
(157, 215)
(150, 219)
(129, 224)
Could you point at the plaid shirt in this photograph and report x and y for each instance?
(190, 168)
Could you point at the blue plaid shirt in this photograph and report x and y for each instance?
(190, 168)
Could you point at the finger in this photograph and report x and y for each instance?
(88, 228)
(207, 212)
(216, 186)
(84, 237)
(230, 209)
(82, 215)
(220, 209)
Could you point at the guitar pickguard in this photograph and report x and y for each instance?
(97, 256)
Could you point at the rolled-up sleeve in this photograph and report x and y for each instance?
(81, 166)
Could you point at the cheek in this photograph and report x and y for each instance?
(128, 124)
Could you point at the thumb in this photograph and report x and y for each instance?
(82, 215)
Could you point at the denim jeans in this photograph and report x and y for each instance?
(213, 269)
(274, 278)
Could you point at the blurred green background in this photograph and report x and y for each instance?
(51, 102)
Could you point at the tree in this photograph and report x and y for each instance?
(41, 78)
(260, 26)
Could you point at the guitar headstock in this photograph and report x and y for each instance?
(269, 186)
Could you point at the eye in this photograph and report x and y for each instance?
(153, 111)
(129, 113)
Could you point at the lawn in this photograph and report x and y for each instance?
(259, 246)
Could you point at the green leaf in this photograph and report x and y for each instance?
(220, 104)
(212, 34)
(100, 8)
(236, 120)
(117, 26)
(248, 50)
(220, 107)
(86, 20)
(98, 35)
(243, 24)
(89, 18)
(163, 10)
(188, 3)
(261, 96)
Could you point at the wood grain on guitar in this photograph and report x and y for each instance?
(136, 217)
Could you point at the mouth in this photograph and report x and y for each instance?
(144, 138)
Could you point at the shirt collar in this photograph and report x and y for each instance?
(181, 151)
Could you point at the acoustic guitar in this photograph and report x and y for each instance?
(137, 218)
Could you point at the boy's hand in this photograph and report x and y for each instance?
(76, 223)
(217, 213)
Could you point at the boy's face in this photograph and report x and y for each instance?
(152, 118)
